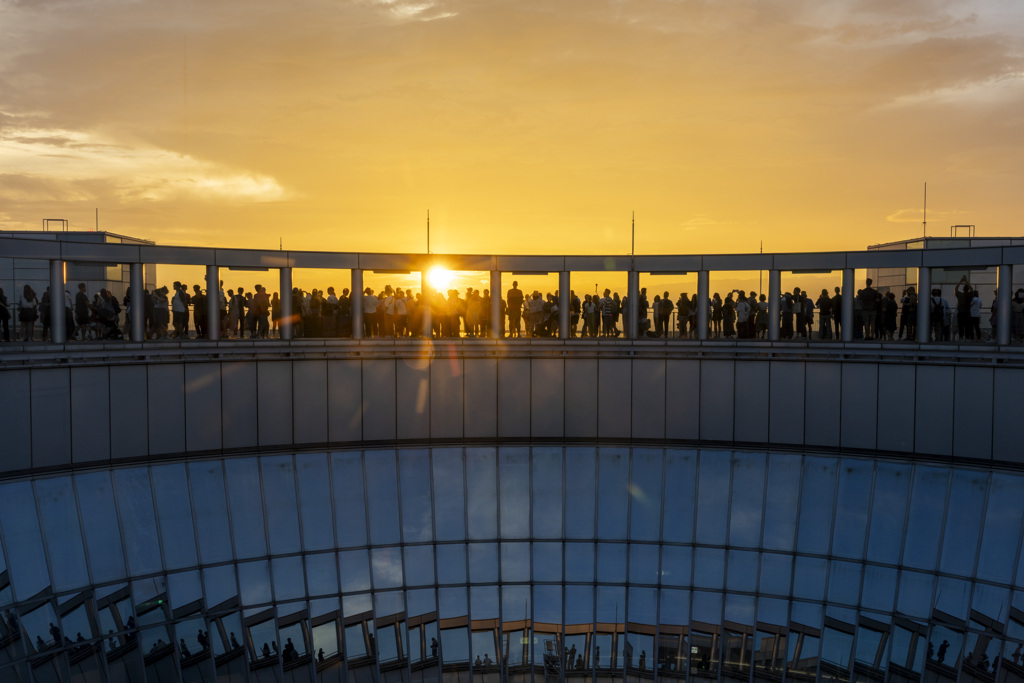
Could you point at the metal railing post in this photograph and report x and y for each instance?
(495, 327)
(286, 324)
(633, 312)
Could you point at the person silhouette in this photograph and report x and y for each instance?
(941, 656)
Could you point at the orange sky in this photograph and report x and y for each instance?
(524, 127)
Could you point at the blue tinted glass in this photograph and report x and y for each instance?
(449, 494)
(782, 495)
(990, 601)
(676, 565)
(611, 562)
(680, 493)
(254, 581)
(24, 543)
(611, 604)
(645, 494)
(515, 603)
(349, 510)
(817, 494)
(675, 607)
(776, 573)
(99, 521)
(809, 578)
(547, 605)
(547, 561)
(844, 583)
(184, 588)
(210, 510)
(888, 512)
(713, 497)
(952, 597)
(483, 562)
(417, 512)
(451, 563)
(419, 565)
(743, 565)
(515, 561)
(879, 588)
(382, 496)
(281, 506)
(643, 563)
(915, 594)
(138, 520)
(924, 523)
(315, 501)
(852, 500)
(387, 567)
(580, 482)
(514, 483)
(547, 492)
(707, 607)
(1003, 524)
(963, 520)
(174, 512)
(354, 566)
(579, 605)
(289, 578)
(483, 601)
(643, 606)
(747, 499)
(612, 492)
(219, 584)
(58, 513)
(708, 568)
(482, 493)
(246, 504)
(322, 574)
(579, 562)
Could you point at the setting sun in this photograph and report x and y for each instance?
(440, 278)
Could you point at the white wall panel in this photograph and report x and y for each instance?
(896, 392)
(274, 389)
(413, 408)
(972, 412)
(480, 408)
(751, 401)
(440, 400)
(716, 400)
(166, 387)
(309, 389)
(129, 412)
(202, 406)
(648, 398)
(614, 398)
(90, 414)
(934, 410)
(682, 399)
(344, 400)
(822, 404)
(16, 410)
(547, 397)
(239, 404)
(379, 400)
(1006, 415)
(581, 397)
(860, 405)
(786, 422)
(514, 397)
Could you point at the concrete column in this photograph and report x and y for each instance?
(849, 291)
(563, 304)
(495, 330)
(58, 334)
(137, 281)
(286, 325)
(924, 305)
(1003, 331)
(213, 302)
(427, 297)
(633, 312)
(703, 291)
(774, 301)
(357, 303)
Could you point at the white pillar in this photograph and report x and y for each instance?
(563, 304)
(703, 291)
(137, 281)
(286, 325)
(849, 291)
(58, 334)
(213, 303)
(426, 298)
(1003, 331)
(357, 303)
(633, 312)
(924, 305)
(774, 301)
(494, 332)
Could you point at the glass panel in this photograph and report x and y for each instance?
(676, 565)
(58, 514)
(99, 522)
(712, 497)
(322, 574)
(844, 583)
(382, 495)
(915, 594)
(737, 636)
(924, 524)
(387, 567)
(742, 575)
(852, 500)
(579, 619)
(888, 512)
(953, 597)
(879, 587)
(514, 483)
(817, 493)
(963, 521)
(281, 506)
(809, 578)
(482, 493)
(449, 494)
(645, 494)
(419, 565)
(747, 499)
(643, 563)
(210, 510)
(515, 562)
(680, 487)
(547, 562)
(776, 573)
(483, 562)
(1003, 525)
(254, 581)
(219, 584)
(289, 578)
(354, 566)
(414, 471)
(611, 562)
(580, 484)
(174, 512)
(804, 641)
(782, 494)
(451, 564)
(246, 503)
(709, 568)
(673, 641)
(138, 520)
(612, 492)
(770, 639)
(547, 492)
(579, 562)
(314, 501)
(349, 504)
(184, 588)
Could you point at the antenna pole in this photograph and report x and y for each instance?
(428, 231)
(924, 217)
(97, 219)
(632, 240)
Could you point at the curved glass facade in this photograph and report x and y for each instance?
(514, 564)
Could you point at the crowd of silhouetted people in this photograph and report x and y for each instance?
(398, 312)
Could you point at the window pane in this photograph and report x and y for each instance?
(58, 514)
(924, 526)
(579, 562)
(349, 506)
(782, 495)
(138, 520)
(676, 565)
(514, 482)
(482, 493)
(1003, 523)
(315, 501)
(747, 497)
(963, 522)
(414, 474)
(852, 501)
(713, 497)
(645, 494)
(246, 503)
(451, 563)
(210, 510)
(387, 567)
(177, 533)
(449, 494)
(419, 565)
(382, 495)
(612, 493)
(27, 561)
(888, 512)
(281, 506)
(547, 492)
(547, 562)
(680, 493)
(483, 562)
(817, 493)
(580, 482)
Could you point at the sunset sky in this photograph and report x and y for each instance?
(533, 126)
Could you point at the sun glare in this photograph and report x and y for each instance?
(440, 278)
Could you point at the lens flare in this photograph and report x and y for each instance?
(440, 278)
